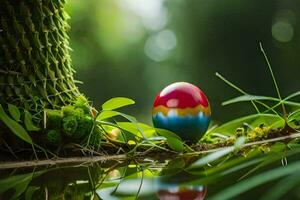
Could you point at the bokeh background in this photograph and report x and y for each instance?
(134, 48)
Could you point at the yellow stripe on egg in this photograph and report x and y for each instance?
(182, 111)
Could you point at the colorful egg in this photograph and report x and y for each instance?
(183, 109)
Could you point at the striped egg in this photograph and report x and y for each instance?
(183, 109)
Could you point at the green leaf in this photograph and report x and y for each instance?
(117, 102)
(19, 183)
(14, 126)
(212, 157)
(178, 163)
(236, 164)
(166, 133)
(14, 112)
(111, 113)
(156, 138)
(174, 166)
(294, 116)
(173, 140)
(257, 180)
(30, 191)
(295, 94)
(106, 114)
(132, 128)
(253, 120)
(247, 97)
(243, 164)
(28, 122)
(283, 187)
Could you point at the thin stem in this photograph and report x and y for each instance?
(274, 81)
(91, 179)
(237, 88)
(140, 186)
(285, 99)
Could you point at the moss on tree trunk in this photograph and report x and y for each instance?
(35, 64)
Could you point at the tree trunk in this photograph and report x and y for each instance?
(35, 64)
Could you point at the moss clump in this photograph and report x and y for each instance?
(70, 125)
(53, 119)
(54, 137)
(78, 108)
(69, 111)
(74, 121)
(82, 103)
(85, 126)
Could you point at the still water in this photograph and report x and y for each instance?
(113, 180)
(145, 179)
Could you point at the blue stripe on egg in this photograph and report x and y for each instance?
(189, 128)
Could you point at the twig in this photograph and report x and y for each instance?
(34, 163)
(123, 157)
(292, 136)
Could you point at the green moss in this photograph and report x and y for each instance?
(82, 102)
(71, 110)
(36, 70)
(68, 111)
(258, 133)
(79, 112)
(85, 125)
(54, 119)
(54, 137)
(35, 62)
(73, 119)
(70, 125)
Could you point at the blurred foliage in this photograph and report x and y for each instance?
(135, 48)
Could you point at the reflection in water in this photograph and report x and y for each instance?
(111, 181)
(166, 187)
(152, 188)
(177, 187)
(68, 182)
(175, 192)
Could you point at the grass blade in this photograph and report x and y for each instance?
(248, 98)
(282, 187)
(212, 157)
(274, 80)
(237, 88)
(257, 180)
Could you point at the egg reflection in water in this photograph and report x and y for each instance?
(162, 188)
(176, 192)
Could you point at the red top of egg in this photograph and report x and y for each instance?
(181, 95)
